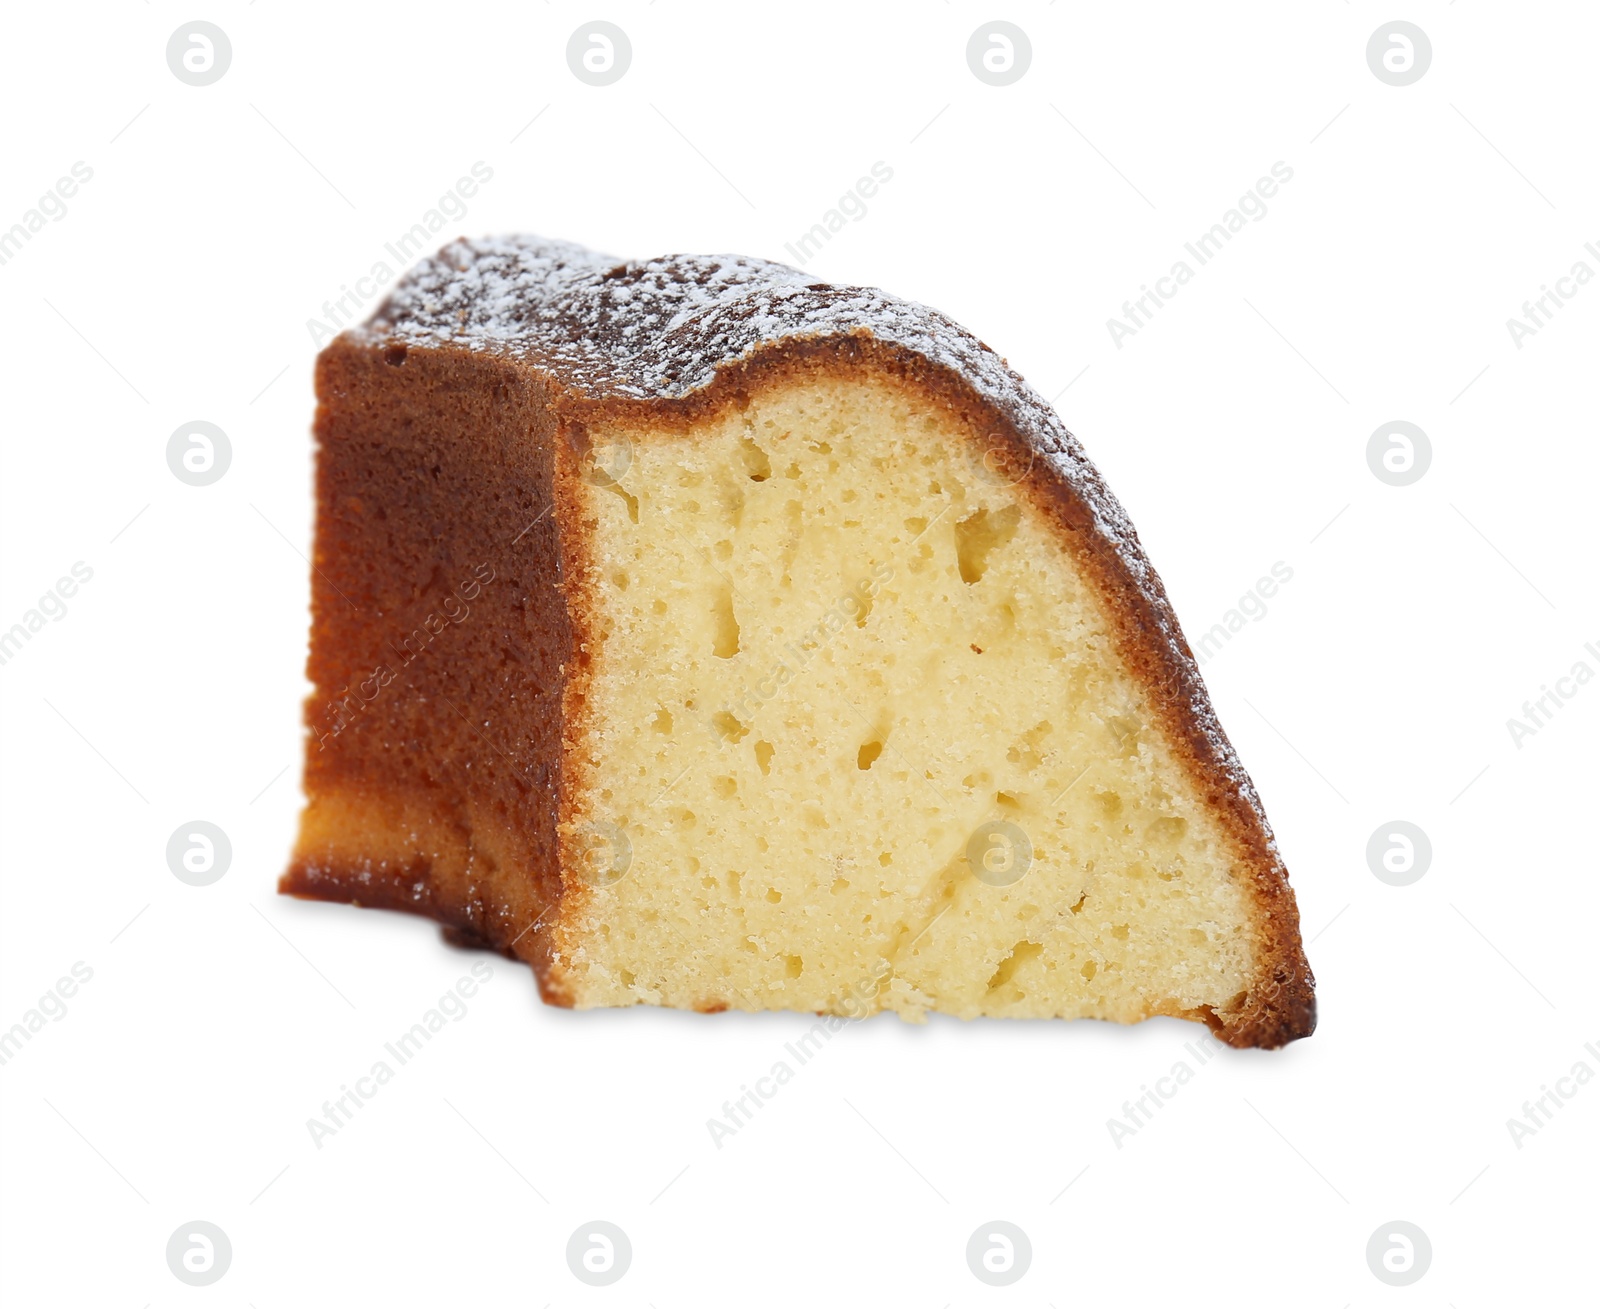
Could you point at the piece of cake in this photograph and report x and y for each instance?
(709, 636)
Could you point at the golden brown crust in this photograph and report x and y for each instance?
(1039, 460)
(435, 590)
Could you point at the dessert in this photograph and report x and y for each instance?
(709, 636)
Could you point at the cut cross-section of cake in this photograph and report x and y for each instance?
(712, 637)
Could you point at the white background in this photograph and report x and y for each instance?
(1234, 428)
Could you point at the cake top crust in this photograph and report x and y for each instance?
(662, 329)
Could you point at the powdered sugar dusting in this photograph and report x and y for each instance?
(662, 328)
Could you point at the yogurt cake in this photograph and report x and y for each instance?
(709, 636)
